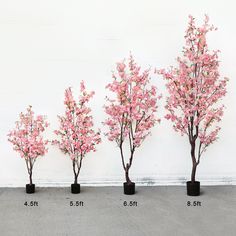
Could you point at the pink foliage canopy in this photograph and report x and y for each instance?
(195, 87)
(27, 136)
(132, 111)
(76, 134)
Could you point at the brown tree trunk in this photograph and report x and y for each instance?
(194, 162)
(76, 168)
(31, 171)
(194, 168)
(30, 177)
(76, 180)
(127, 176)
(75, 174)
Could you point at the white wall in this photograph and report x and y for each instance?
(48, 45)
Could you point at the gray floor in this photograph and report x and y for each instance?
(160, 211)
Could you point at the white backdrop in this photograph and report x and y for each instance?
(48, 45)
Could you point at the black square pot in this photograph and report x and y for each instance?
(75, 188)
(129, 188)
(193, 188)
(30, 188)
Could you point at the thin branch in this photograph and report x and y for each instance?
(199, 153)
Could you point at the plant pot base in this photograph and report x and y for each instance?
(193, 188)
(129, 188)
(30, 188)
(75, 188)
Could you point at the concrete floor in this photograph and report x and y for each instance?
(159, 211)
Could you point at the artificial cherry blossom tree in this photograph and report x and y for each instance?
(27, 138)
(76, 134)
(195, 87)
(131, 112)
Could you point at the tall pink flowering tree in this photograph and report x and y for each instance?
(194, 89)
(131, 112)
(76, 136)
(27, 138)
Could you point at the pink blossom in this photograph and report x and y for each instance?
(132, 110)
(76, 136)
(27, 138)
(120, 66)
(194, 89)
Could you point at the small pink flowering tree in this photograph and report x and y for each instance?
(194, 89)
(27, 138)
(131, 114)
(76, 134)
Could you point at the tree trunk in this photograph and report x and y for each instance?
(31, 172)
(194, 162)
(194, 168)
(75, 174)
(76, 179)
(127, 176)
(30, 177)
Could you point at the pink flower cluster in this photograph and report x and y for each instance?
(131, 113)
(195, 87)
(27, 136)
(76, 134)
